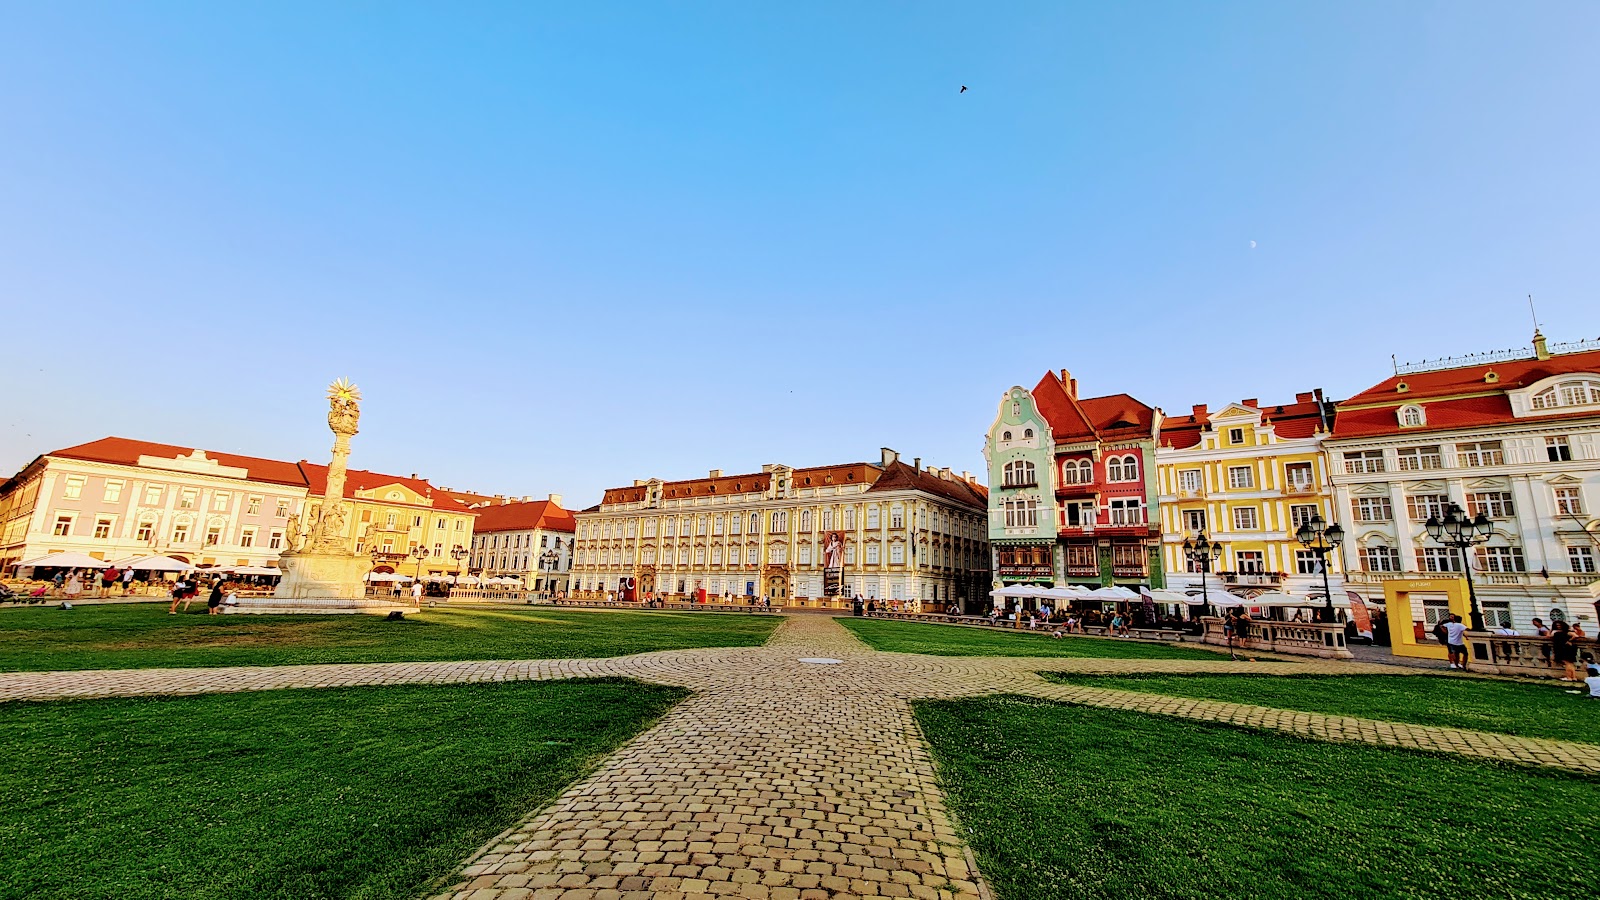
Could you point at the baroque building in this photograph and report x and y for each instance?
(526, 539)
(1073, 488)
(1248, 475)
(798, 536)
(1513, 435)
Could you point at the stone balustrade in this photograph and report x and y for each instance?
(1504, 654)
(1320, 639)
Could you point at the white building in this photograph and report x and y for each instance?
(905, 532)
(530, 540)
(1514, 435)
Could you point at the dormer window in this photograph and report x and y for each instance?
(1027, 434)
(1005, 436)
(1412, 416)
(1568, 393)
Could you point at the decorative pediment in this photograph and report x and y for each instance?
(1488, 484)
(1563, 480)
(1237, 412)
(1374, 539)
(1425, 487)
(1369, 489)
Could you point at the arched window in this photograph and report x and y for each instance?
(1114, 469)
(1085, 472)
(1130, 468)
(1027, 434)
(1020, 473)
(1568, 393)
(1411, 416)
(1005, 436)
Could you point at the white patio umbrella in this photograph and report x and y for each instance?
(387, 577)
(159, 563)
(1114, 592)
(1277, 599)
(1162, 595)
(65, 560)
(256, 570)
(468, 579)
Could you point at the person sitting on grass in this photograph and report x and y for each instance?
(1593, 682)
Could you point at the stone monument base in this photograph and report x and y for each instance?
(321, 583)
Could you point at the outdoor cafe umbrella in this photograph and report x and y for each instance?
(256, 570)
(467, 579)
(1116, 592)
(65, 561)
(159, 563)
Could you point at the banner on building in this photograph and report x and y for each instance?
(1359, 612)
(629, 589)
(832, 563)
(1148, 603)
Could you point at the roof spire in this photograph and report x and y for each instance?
(1540, 350)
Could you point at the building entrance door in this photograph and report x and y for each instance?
(778, 588)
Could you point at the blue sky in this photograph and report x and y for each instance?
(562, 246)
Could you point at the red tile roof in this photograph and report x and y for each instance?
(125, 451)
(524, 516)
(1455, 398)
(1300, 419)
(1096, 418)
(901, 477)
(363, 480)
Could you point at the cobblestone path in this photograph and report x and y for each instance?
(782, 778)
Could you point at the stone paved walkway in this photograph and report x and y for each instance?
(780, 778)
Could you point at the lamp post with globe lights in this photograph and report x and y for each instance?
(1322, 539)
(1459, 532)
(1202, 552)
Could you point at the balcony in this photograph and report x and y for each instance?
(1300, 488)
(1191, 493)
(1251, 579)
(1011, 485)
(1129, 570)
(1078, 489)
(1082, 571)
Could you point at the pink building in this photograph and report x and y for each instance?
(117, 498)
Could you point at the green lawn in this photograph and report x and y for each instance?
(1060, 801)
(142, 635)
(1530, 710)
(952, 640)
(296, 794)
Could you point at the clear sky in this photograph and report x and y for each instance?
(562, 246)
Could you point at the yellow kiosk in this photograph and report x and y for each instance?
(1409, 628)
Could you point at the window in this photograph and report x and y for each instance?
(1380, 559)
(461, 525)
(733, 556)
(805, 520)
(780, 554)
(1244, 518)
(755, 523)
(213, 535)
(180, 533)
(152, 495)
(1241, 477)
(416, 521)
(247, 537)
(1027, 434)
(699, 527)
(1235, 435)
(1300, 514)
(1019, 474)
(897, 517)
(113, 491)
(1299, 477)
(780, 521)
(849, 518)
(1365, 462)
(1005, 435)
(275, 540)
(1189, 480)
(716, 525)
(1249, 562)
(671, 529)
(716, 556)
(74, 487)
(849, 554)
(146, 532)
(1412, 459)
(1372, 509)
(1440, 559)
(827, 520)
(1082, 558)
(186, 499)
(1305, 563)
(699, 556)
(219, 501)
(1501, 559)
(1422, 507)
(1482, 453)
(1411, 416)
(1078, 515)
(872, 516)
(1569, 502)
(1194, 520)
(872, 554)
(1023, 513)
(1496, 614)
(1494, 504)
(102, 528)
(63, 527)
(1127, 512)
(283, 509)
(1581, 559)
(438, 549)
(1557, 448)
(897, 554)
(1122, 468)
(1568, 393)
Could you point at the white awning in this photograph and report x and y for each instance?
(64, 560)
(159, 564)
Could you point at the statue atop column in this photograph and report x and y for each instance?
(344, 414)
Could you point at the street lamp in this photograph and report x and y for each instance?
(421, 553)
(1202, 552)
(1457, 531)
(459, 553)
(1321, 538)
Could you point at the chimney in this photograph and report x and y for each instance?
(1305, 396)
(1252, 403)
(1540, 350)
(638, 482)
(916, 463)
(716, 473)
(965, 475)
(1065, 376)
(555, 499)
(413, 476)
(889, 457)
(1199, 410)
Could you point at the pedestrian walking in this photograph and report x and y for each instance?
(74, 586)
(416, 592)
(1564, 650)
(107, 579)
(127, 582)
(214, 601)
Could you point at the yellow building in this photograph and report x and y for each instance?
(391, 515)
(1248, 476)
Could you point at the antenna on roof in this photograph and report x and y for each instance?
(1395, 363)
(1533, 313)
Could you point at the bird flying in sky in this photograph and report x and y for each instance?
(963, 89)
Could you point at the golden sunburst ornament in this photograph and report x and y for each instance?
(343, 391)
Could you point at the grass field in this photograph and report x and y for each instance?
(142, 635)
(1530, 710)
(1061, 801)
(951, 640)
(298, 794)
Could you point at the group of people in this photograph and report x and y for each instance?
(70, 583)
(187, 588)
